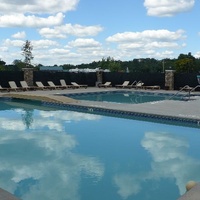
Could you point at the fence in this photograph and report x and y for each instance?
(180, 79)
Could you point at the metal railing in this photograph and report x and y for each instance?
(193, 89)
(186, 87)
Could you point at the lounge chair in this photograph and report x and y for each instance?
(152, 87)
(78, 86)
(42, 87)
(25, 86)
(4, 89)
(139, 85)
(125, 84)
(131, 85)
(14, 87)
(51, 84)
(63, 84)
(105, 85)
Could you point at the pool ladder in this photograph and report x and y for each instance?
(182, 89)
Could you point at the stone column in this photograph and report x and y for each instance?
(99, 77)
(169, 79)
(28, 75)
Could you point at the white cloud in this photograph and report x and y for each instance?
(167, 8)
(13, 43)
(3, 49)
(43, 44)
(19, 35)
(69, 29)
(84, 43)
(21, 20)
(147, 43)
(147, 35)
(197, 54)
(37, 6)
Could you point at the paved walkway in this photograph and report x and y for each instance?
(192, 194)
(4, 195)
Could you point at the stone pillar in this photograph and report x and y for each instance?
(169, 79)
(28, 75)
(99, 77)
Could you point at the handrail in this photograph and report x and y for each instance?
(185, 87)
(193, 89)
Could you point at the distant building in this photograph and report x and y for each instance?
(46, 68)
(87, 70)
(76, 70)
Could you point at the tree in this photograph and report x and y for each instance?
(185, 63)
(19, 64)
(2, 62)
(110, 63)
(27, 53)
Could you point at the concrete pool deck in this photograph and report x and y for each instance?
(170, 108)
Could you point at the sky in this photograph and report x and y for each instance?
(83, 31)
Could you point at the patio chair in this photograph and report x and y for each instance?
(63, 84)
(105, 85)
(78, 86)
(51, 84)
(42, 87)
(4, 89)
(131, 85)
(139, 85)
(152, 87)
(14, 87)
(25, 86)
(125, 84)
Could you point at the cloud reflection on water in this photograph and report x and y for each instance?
(170, 160)
(43, 159)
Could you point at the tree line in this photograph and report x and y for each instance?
(184, 63)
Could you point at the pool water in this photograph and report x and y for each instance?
(125, 97)
(54, 154)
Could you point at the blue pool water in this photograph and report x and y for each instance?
(125, 96)
(53, 154)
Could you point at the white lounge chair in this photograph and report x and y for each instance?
(51, 84)
(106, 84)
(125, 84)
(25, 86)
(152, 87)
(2, 89)
(14, 87)
(131, 85)
(139, 85)
(41, 86)
(63, 84)
(78, 86)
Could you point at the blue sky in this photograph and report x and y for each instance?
(83, 31)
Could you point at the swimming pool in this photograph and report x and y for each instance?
(130, 97)
(52, 154)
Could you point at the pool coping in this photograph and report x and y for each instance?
(134, 115)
